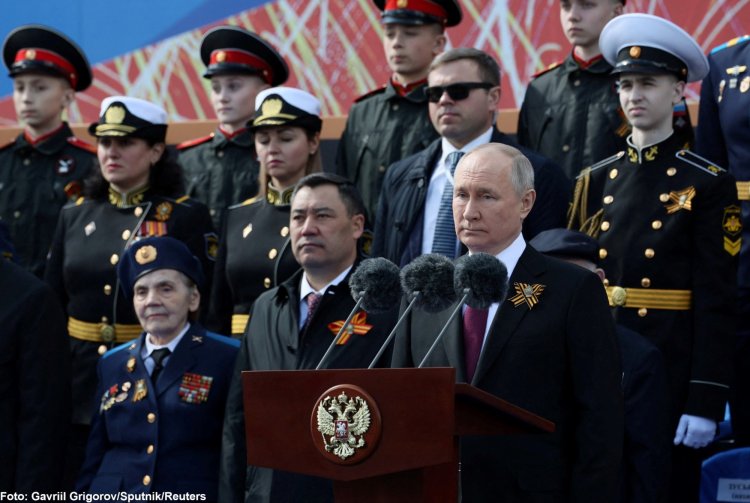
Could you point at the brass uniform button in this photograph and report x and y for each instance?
(26, 161)
(17, 214)
(577, 83)
(102, 349)
(272, 253)
(105, 319)
(114, 259)
(604, 226)
(382, 168)
(566, 148)
(138, 211)
(146, 480)
(609, 199)
(619, 296)
(664, 198)
(395, 106)
(212, 212)
(646, 282)
(107, 289)
(649, 253)
(284, 231)
(267, 282)
(606, 282)
(642, 312)
(220, 154)
(126, 234)
(151, 417)
(671, 171)
(656, 225)
(613, 174)
(150, 449)
(602, 253)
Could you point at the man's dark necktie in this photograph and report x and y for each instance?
(313, 300)
(444, 240)
(158, 355)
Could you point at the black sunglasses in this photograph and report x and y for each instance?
(457, 92)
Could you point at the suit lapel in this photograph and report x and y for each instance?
(453, 343)
(530, 266)
(181, 360)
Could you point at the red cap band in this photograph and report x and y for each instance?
(36, 54)
(424, 6)
(237, 57)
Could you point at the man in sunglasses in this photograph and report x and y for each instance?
(414, 213)
(391, 123)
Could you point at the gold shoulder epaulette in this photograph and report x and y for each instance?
(194, 142)
(699, 162)
(601, 164)
(80, 201)
(182, 199)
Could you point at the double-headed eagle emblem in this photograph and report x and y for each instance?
(343, 421)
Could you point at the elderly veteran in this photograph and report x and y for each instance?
(160, 397)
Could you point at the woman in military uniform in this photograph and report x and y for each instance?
(254, 253)
(136, 193)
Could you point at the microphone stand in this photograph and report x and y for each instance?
(415, 296)
(445, 327)
(341, 331)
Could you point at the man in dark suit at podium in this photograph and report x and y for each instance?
(549, 347)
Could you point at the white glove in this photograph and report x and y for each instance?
(694, 431)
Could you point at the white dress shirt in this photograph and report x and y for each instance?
(149, 347)
(305, 288)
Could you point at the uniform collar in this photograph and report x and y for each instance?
(132, 198)
(403, 90)
(655, 152)
(50, 143)
(596, 65)
(415, 94)
(243, 138)
(276, 197)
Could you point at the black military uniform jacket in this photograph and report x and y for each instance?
(572, 115)
(273, 341)
(382, 127)
(220, 170)
(255, 255)
(82, 268)
(36, 180)
(669, 228)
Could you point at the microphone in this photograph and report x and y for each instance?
(427, 282)
(481, 280)
(375, 287)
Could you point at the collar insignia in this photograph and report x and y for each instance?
(358, 326)
(681, 200)
(197, 338)
(526, 293)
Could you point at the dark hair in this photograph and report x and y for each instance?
(314, 161)
(489, 70)
(348, 193)
(165, 177)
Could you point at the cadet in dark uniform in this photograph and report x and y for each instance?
(669, 228)
(391, 123)
(136, 194)
(44, 167)
(571, 112)
(292, 326)
(161, 397)
(221, 169)
(724, 136)
(254, 253)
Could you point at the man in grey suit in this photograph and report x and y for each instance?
(549, 347)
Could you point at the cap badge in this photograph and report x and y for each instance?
(114, 115)
(271, 107)
(221, 56)
(635, 52)
(30, 54)
(145, 254)
(402, 4)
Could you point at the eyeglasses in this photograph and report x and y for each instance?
(457, 92)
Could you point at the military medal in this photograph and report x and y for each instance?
(358, 325)
(126, 386)
(745, 85)
(526, 293)
(163, 212)
(65, 165)
(121, 397)
(130, 365)
(140, 390)
(108, 398)
(681, 200)
(195, 388)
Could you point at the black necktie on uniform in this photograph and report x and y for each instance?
(158, 355)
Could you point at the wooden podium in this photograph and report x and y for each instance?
(410, 449)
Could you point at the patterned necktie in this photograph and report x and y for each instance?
(444, 241)
(475, 321)
(313, 300)
(158, 356)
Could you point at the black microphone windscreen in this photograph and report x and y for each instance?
(378, 278)
(485, 277)
(432, 276)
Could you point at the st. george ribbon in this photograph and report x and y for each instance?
(375, 287)
(481, 280)
(427, 283)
